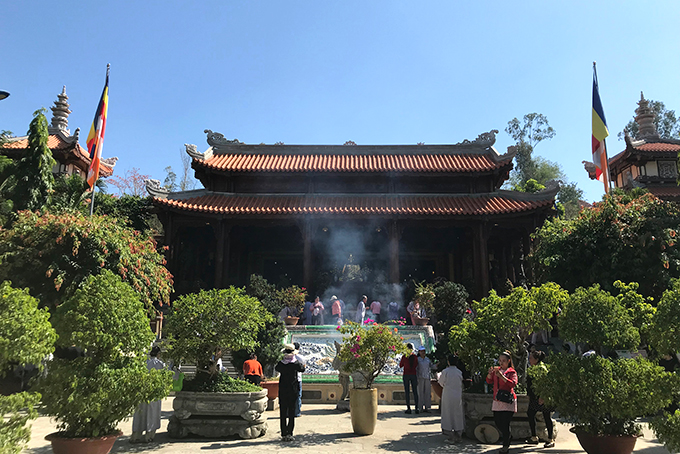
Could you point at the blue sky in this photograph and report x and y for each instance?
(324, 72)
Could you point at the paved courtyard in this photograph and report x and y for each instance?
(322, 429)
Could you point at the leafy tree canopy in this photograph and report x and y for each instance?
(630, 237)
(53, 254)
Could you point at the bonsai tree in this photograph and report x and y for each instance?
(203, 323)
(503, 323)
(91, 392)
(450, 308)
(367, 349)
(602, 396)
(26, 337)
(665, 337)
(425, 296)
(293, 297)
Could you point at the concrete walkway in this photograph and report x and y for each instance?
(322, 429)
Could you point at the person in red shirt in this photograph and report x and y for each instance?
(410, 363)
(504, 379)
(252, 370)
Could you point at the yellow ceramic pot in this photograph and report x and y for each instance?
(363, 408)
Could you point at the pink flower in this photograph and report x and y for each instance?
(337, 328)
(356, 356)
(358, 338)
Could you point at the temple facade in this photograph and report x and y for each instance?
(367, 217)
(71, 157)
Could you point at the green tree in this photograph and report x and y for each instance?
(26, 337)
(170, 182)
(31, 184)
(202, 323)
(630, 237)
(667, 123)
(53, 254)
(532, 130)
(91, 394)
(135, 211)
(570, 198)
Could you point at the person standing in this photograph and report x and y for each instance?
(342, 310)
(147, 417)
(317, 312)
(536, 404)
(289, 387)
(252, 370)
(504, 379)
(415, 312)
(423, 372)
(302, 360)
(361, 310)
(393, 310)
(453, 418)
(410, 364)
(375, 308)
(336, 311)
(307, 313)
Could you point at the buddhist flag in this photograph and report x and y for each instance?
(600, 132)
(95, 139)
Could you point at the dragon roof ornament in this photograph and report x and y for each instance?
(215, 139)
(485, 139)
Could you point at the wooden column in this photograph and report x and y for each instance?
(394, 236)
(221, 253)
(480, 257)
(526, 248)
(307, 264)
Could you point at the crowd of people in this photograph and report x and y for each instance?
(336, 312)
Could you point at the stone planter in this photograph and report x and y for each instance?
(291, 321)
(478, 412)
(421, 321)
(218, 415)
(363, 407)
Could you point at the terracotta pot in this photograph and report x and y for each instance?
(421, 321)
(291, 320)
(436, 387)
(272, 387)
(100, 445)
(605, 444)
(363, 408)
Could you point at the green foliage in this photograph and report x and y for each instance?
(170, 182)
(133, 210)
(265, 292)
(16, 410)
(425, 296)
(640, 309)
(665, 329)
(70, 194)
(268, 349)
(604, 397)
(201, 323)
(450, 304)
(32, 182)
(503, 323)
(53, 254)
(90, 395)
(667, 124)
(26, 337)
(367, 349)
(570, 197)
(293, 297)
(597, 318)
(222, 383)
(531, 185)
(528, 133)
(667, 430)
(629, 237)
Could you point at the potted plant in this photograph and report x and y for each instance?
(213, 404)
(424, 296)
(365, 351)
(603, 397)
(91, 392)
(293, 298)
(501, 324)
(26, 338)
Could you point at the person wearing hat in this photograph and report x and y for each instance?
(289, 387)
(423, 370)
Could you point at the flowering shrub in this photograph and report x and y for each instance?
(293, 296)
(368, 321)
(401, 321)
(367, 349)
(425, 296)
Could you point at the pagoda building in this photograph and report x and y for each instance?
(71, 157)
(649, 162)
(316, 215)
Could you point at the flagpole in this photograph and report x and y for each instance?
(92, 202)
(95, 139)
(605, 160)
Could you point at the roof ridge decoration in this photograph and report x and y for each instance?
(192, 151)
(216, 139)
(60, 112)
(485, 139)
(154, 188)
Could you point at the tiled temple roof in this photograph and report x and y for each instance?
(502, 202)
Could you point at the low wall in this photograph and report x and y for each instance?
(329, 393)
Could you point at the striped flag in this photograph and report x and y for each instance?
(600, 132)
(95, 139)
